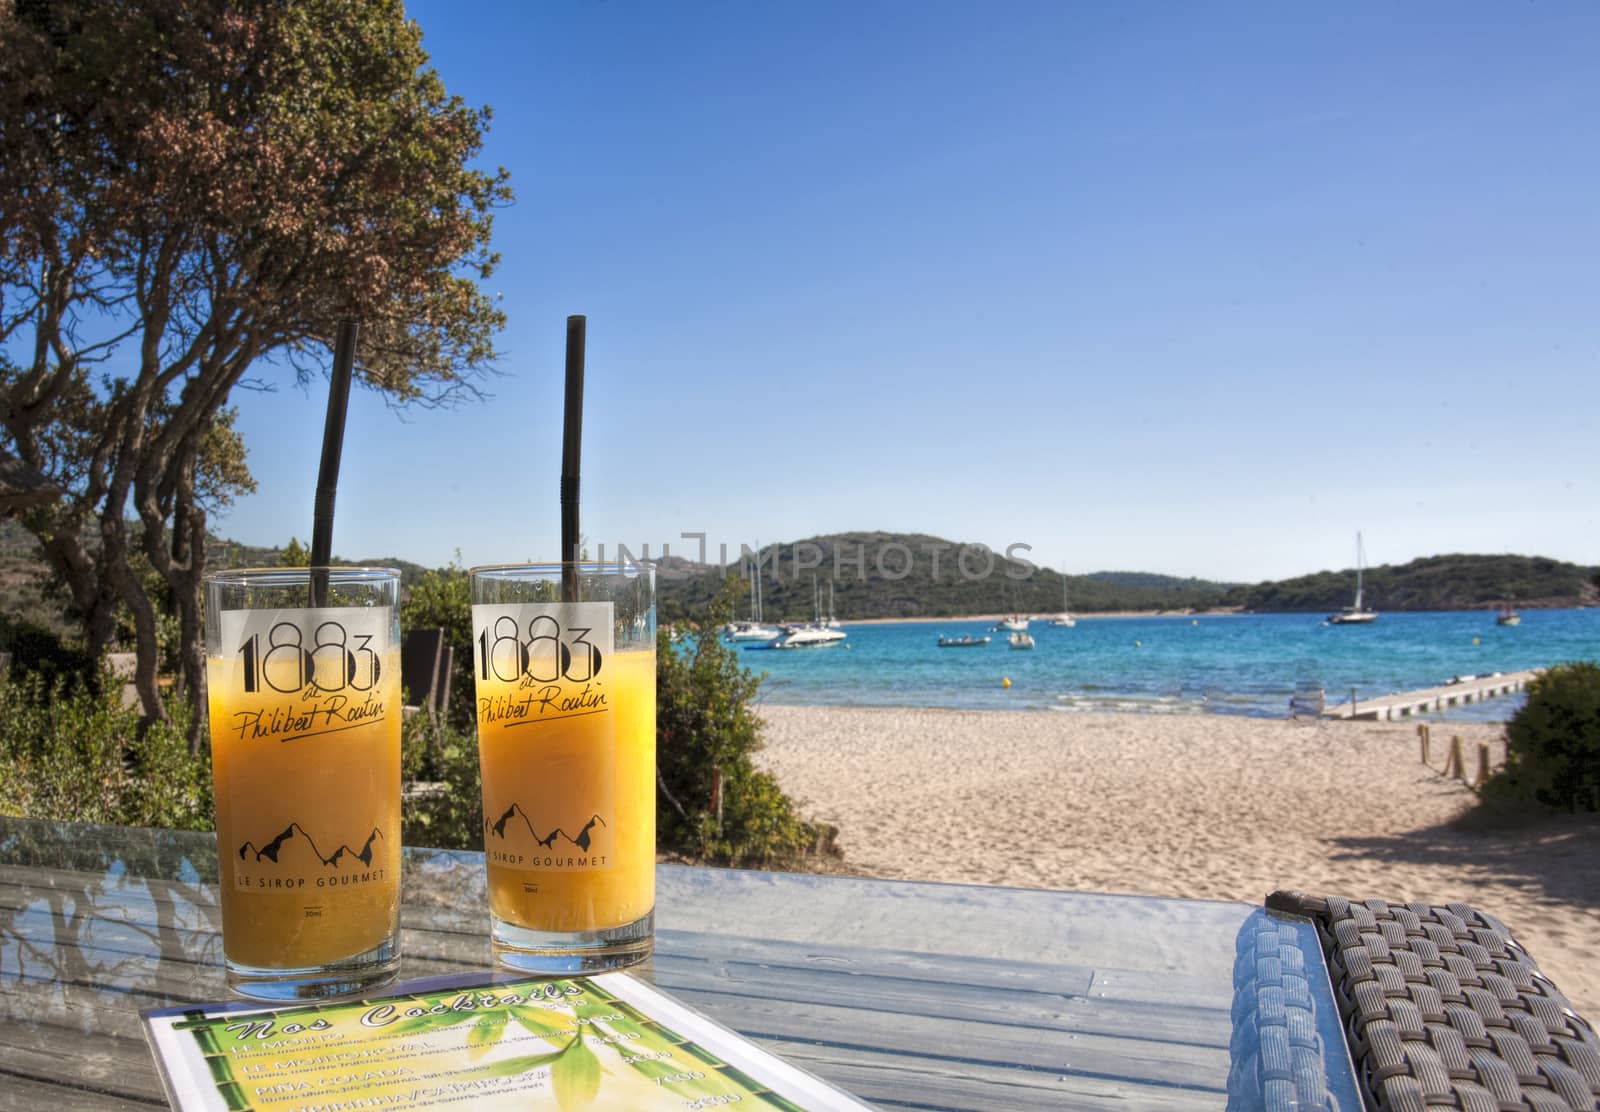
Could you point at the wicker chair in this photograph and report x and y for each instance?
(1442, 1009)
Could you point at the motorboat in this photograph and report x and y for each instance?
(966, 641)
(1508, 616)
(809, 636)
(816, 634)
(1021, 640)
(1355, 613)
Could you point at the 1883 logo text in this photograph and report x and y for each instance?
(554, 670)
(330, 677)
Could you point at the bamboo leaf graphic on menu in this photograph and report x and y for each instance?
(576, 1076)
(485, 1034)
(539, 1021)
(510, 1067)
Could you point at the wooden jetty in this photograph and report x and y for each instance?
(1391, 708)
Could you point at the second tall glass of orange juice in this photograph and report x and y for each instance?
(565, 672)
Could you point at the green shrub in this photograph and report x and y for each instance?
(447, 813)
(69, 754)
(36, 650)
(712, 801)
(442, 599)
(1553, 743)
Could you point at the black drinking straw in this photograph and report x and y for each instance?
(571, 450)
(344, 357)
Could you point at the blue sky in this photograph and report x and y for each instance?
(1199, 289)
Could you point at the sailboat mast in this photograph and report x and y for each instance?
(758, 583)
(1361, 559)
(755, 611)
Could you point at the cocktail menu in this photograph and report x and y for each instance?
(480, 1041)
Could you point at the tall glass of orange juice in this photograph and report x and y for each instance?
(565, 669)
(304, 709)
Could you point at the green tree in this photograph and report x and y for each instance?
(1553, 743)
(713, 801)
(294, 555)
(190, 189)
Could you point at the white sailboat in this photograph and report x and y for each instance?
(1064, 620)
(832, 620)
(752, 630)
(1355, 613)
(1009, 623)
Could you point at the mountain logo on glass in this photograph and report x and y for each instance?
(294, 835)
(581, 840)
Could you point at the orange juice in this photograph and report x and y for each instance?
(305, 750)
(569, 795)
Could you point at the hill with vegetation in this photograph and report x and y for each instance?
(28, 591)
(1153, 581)
(1454, 582)
(872, 577)
(30, 595)
(231, 554)
(913, 575)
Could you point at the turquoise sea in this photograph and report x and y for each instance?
(1226, 664)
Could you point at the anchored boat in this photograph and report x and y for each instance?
(1064, 620)
(1356, 614)
(816, 634)
(752, 630)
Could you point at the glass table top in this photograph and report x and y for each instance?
(907, 994)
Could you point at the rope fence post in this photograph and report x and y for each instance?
(1457, 765)
(1483, 764)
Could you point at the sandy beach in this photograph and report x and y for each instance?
(1202, 806)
